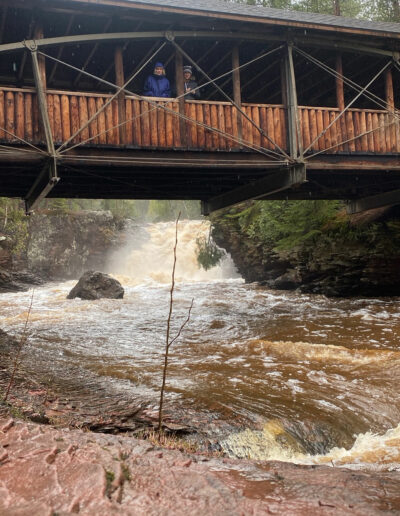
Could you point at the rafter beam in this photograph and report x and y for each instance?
(281, 180)
(375, 201)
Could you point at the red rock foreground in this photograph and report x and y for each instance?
(45, 471)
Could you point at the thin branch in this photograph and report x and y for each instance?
(21, 343)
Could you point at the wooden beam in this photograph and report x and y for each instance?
(120, 81)
(389, 91)
(237, 95)
(375, 201)
(38, 34)
(281, 180)
(339, 83)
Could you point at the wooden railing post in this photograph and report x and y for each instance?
(179, 92)
(389, 91)
(237, 95)
(120, 81)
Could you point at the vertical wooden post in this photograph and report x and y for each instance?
(237, 94)
(180, 91)
(294, 133)
(39, 34)
(339, 83)
(340, 98)
(120, 81)
(389, 90)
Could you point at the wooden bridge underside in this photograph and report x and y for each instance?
(60, 143)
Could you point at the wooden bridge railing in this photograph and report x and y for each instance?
(147, 127)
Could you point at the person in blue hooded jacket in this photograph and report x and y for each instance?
(157, 85)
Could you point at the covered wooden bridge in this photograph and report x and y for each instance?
(292, 106)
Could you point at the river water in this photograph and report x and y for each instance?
(310, 379)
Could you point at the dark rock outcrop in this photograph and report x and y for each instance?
(64, 245)
(96, 285)
(333, 264)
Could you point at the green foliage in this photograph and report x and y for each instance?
(14, 224)
(285, 224)
(208, 253)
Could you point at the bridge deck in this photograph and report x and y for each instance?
(209, 126)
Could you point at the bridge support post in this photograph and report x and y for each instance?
(294, 133)
(48, 177)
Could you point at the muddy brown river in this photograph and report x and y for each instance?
(312, 379)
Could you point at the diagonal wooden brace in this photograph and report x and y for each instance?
(46, 181)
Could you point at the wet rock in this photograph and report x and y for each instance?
(47, 471)
(96, 285)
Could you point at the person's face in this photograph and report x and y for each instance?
(158, 70)
(187, 75)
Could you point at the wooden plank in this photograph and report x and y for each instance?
(169, 127)
(263, 125)
(270, 127)
(137, 120)
(162, 141)
(83, 118)
(177, 126)
(278, 127)
(93, 126)
(57, 134)
(313, 129)
(207, 121)
(228, 125)
(281, 110)
(255, 116)
(10, 122)
(108, 112)
(50, 113)
(115, 122)
(357, 130)
(201, 140)
(397, 134)
(19, 115)
(382, 133)
(28, 115)
(370, 135)
(65, 117)
(350, 130)
(249, 126)
(334, 134)
(221, 126)
(375, 125)
(101, 122)
(327, 137)
(305, 128)
(145, 125)
(214, 123)
(363, 129)
(74, 107)
(37, 125)
(128, 126)
(153, 126)
(191, 113)
(320, 128)
(2, 115)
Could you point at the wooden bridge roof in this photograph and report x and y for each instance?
(269, 15)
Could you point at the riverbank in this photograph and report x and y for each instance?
(313, 247)
(57, 455)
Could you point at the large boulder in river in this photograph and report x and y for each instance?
(95, 285)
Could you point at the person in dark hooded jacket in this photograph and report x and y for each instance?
(190, 85)
(157, 85)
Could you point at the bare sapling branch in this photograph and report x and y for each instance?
(21, 344)
(169, 342)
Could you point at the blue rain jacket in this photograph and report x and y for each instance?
(157, 86)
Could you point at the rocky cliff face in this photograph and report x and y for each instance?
(334, 264)
(64, 246)
(57, 246)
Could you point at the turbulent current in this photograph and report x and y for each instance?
(309, 379)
